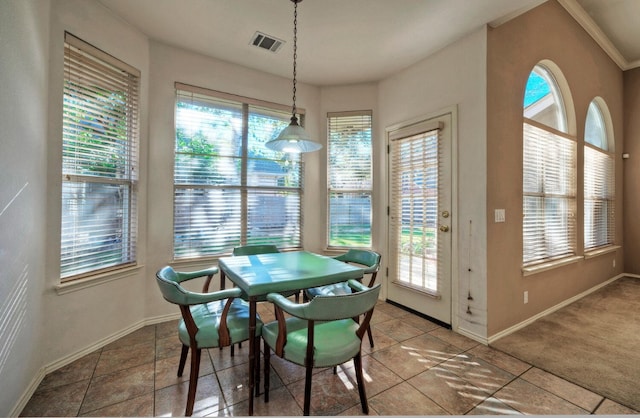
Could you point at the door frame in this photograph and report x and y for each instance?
(455, 268)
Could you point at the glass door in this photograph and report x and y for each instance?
(420, 217)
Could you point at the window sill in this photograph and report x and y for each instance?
(601, 251)
(539, 268)
(75, 285)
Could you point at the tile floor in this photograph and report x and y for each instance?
(415, 368)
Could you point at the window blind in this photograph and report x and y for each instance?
(415, 187)
(229, 189)
(599, 198)
(349, 170)
(549, 194)
(99, 161)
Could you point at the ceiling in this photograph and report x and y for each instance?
(354, 41)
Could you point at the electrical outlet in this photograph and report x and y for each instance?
(526, 296)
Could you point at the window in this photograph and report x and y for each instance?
(599, 185)
(229, 189)
(350, 179)
(99, 157)
(549, 173)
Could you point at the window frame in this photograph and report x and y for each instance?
(538, 256)
(605, 153)
(247, 188)
(362, 120)
(99, 156)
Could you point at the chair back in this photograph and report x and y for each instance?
(368, 258)
(255, 249)
(331, 308)
(169, 283)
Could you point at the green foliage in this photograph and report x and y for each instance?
(95, 133)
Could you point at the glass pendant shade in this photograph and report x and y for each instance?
(293, 138)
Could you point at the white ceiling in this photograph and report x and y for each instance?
(353, 41)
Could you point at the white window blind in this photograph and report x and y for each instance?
(416, 166)
(549, 191)
(229, 189)
(599, 182)
(99, 161)
(349, 149)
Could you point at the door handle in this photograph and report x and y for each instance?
(444, 228)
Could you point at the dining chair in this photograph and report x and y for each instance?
(209, 320)
(370, 260)
(323, 332)
(255, 249)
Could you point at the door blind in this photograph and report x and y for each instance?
(416, 165)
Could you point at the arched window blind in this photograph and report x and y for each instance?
(599, 182)
(99, 161)
(549, 189)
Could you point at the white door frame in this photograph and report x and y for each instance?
(453, 111)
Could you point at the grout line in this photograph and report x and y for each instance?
(93, 373)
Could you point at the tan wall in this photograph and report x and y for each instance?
(545, 33)
(631, 170)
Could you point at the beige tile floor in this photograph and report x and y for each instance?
(416, 368)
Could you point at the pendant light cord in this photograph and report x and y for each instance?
(295, 52)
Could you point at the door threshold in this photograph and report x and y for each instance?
(420, 314)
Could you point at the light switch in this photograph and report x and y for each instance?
(499, 214)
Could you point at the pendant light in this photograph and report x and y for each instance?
(294, 138)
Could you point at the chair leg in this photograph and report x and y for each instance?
(370, 336)
(357, 361)
(267, 370)
(183, 359)
(193, 379)
(307, 390)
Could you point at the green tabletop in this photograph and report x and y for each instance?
(278, 272)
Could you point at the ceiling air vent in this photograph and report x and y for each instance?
(267, 42)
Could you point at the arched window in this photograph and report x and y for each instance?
(549, 170)
(542, 100)
(599, 175)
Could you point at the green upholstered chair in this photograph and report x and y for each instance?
(321, 333)
(369, 260)
(215, 319)
(263, 249)
(255, 249)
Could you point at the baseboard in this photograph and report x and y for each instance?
(514, 328)
(51, 367)
(476, 337)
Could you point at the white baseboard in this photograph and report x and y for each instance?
(51, 367)
(511, 330)
(479, 338)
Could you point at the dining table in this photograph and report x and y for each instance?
(261, 274)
